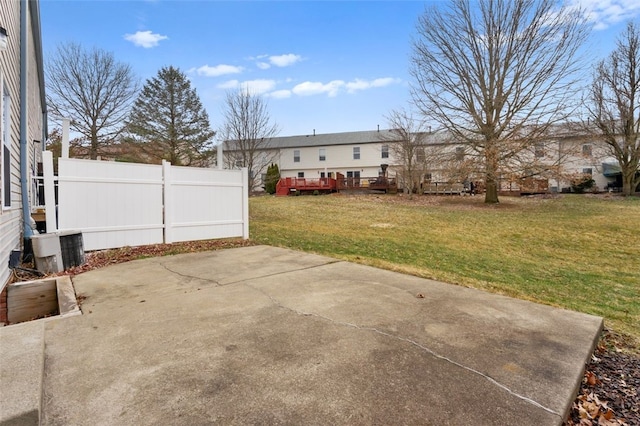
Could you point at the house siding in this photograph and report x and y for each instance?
(562, 152)
(11, 223)
(339, 159)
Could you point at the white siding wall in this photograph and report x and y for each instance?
(11, 219)
(34, 116)
(578, 162)
(339, 158)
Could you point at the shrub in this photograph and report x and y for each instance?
(272, 178)
(580, 184)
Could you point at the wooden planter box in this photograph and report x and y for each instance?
(49, 297)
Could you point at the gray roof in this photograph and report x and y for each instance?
(344, 138)
(438, 137)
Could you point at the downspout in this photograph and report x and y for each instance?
(24, 148)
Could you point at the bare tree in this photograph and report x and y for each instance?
(412, 156)
(496, 74)
(93, 90)
(615, 105)
(247, 133)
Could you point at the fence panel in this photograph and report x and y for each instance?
(125, 204)
(204, 203)
(113, 204)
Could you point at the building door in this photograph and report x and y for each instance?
(353, 179)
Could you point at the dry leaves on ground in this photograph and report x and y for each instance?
(102, 258)
(610, 390)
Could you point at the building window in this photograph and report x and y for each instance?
(322, 154)
(300, 174)
(356, 152)
(427, 177)
(459, 153)
(5, 162)
(539, 150)
(587, 171)
(420, 155)
(296, 156)
(385, 151)
(239, 164)
(586, 150)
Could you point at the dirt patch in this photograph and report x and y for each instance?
(382, 225)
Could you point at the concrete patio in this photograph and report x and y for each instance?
(263, 335)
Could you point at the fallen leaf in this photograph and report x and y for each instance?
(592, 380)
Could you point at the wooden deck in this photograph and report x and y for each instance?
(289, 186)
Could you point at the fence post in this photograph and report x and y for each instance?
(49, 192)
(245, 203)
(168, 202)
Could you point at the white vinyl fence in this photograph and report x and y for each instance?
(125, 204)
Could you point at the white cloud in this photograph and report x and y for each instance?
(332, 88)
(218, 70)
(280, 94)
(264, 62)
(604, 13)
(309, 88)
(284, 60)
(256, 87)
(145, 39)
(259, 87)
(357, 84)
(231, 84)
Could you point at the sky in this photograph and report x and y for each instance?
(323, 66)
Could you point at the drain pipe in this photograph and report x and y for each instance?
(24, 151)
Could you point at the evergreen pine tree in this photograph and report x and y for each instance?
(168, 122)
(271, 180)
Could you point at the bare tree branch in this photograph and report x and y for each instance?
(413, 157)
(497, 74)
(247, 132)
(614, 106)
(93, 90)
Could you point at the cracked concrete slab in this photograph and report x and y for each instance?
(273, 336)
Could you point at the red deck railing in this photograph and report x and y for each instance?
(290, 184)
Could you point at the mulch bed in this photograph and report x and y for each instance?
(610, 390)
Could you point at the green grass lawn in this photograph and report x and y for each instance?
(576, 252)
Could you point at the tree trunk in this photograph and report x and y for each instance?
(627, 184)
(491, 176)
(93, 151)
(491, 195)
